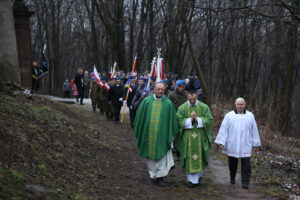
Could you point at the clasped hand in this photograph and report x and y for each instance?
(194, 118)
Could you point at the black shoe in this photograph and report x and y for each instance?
(81, 104)
(245, 187)
(199, 180)
(173, 167)
(191, 185)
(153, 181)
(232, 181)
(161, 182)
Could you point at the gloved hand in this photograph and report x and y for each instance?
(121, 99)
(124, 102)
(130, 107)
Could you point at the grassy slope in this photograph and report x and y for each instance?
(51, 145)
(75, 154)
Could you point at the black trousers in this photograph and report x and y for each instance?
(246, 168)
(35, 84)
(117, 109)
(67, 94)
(132, 116)
(94, 104)
(81, 94)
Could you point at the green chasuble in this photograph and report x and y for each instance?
(154, 127)
(194, 143)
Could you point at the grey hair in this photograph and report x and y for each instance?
(240, 99)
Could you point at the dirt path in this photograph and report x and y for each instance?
(135, 179)
(219, 173)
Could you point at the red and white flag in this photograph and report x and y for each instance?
(101, 84)
(160, 72)
(106, 86)
(154, 66)
(97, 78)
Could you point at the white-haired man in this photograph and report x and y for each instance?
(154, 127)
(237, 136)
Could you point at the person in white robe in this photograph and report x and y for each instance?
(237, 137)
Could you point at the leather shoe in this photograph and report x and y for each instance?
(199, 180)
(244, 186)
(232, 181)
(191, 185)
(161, 182)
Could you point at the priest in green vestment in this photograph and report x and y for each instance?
(154, 127)
(194, 139)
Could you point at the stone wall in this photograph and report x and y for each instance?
(8, 47)
(22, 29)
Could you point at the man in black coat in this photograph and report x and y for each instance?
(35, 76)
(116, 98)
(139, 92)
(143, 94)
(79, 83)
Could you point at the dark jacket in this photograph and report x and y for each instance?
(178, 98)
(191, 85)
(137, 103)
(138, 94)
(94, 88)
(67, 87)
(79, 81)
(115, 93)
(35, 72)
(130, 94)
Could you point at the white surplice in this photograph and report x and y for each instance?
(160, 168)
(238, 133)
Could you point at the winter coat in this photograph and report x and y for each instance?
(116, 92)
(178, 98)
(67, 87)
(79, 81)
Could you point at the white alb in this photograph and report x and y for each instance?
(238, 133)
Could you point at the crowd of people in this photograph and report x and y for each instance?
(169, 117)
(109, 102)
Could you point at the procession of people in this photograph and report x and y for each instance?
(169, 116)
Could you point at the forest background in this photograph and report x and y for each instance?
(237, 48)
